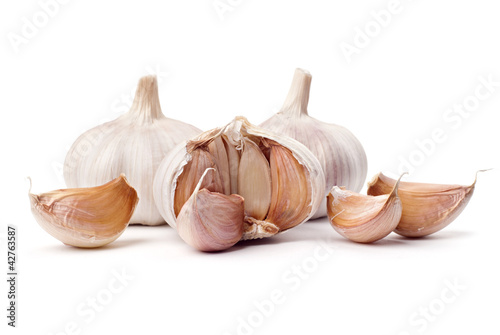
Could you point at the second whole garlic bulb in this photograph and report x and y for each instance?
(340, 153)
(133, 144)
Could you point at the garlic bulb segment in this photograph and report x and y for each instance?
(363, 218)
(201, 160)
(254, 180)
(133, 144)
(290, 187)
(427, 208)
(341, 155)
(234, 164)
(211, 221)
(86, 217)
(280, 179)
(218, 150)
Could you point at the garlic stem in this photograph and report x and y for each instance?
(298, 96)
(146, 105)
(478, 172)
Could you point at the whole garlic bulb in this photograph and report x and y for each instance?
(133, 144)
(341, 155)
(280, 180)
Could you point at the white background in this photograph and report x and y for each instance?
(74, 73)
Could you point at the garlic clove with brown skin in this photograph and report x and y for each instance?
(363, 218)
(193, 172)
(134, 144)
(86, 217)
(291, 191)
(427, 208)
(339, 152)
(211, 221)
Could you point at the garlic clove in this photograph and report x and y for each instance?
(191, 175)
(134, 144)
(254, 180)
(86, 217)
(234, 163)
(339, 152)
(427, 208)
(211, 221)
(291, 193)
(362, 218)
(219, 153)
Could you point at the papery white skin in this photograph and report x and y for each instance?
(341, 155)
(172, 166)
(134, 144)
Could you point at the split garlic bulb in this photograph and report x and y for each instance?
(280, 180)
(133, 144)
(341, 155)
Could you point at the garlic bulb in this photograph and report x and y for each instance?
(341, 155)
(427, 208)
(363, 218)
(86, 217)
(211, 221)
(280, 180)
(134, 144)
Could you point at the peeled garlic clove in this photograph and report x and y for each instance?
(296, 178)
(86, 217)
(427, 208)
(254, 180)
(134, 144)
(211, 221)
(341, 155)
(363, 218)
